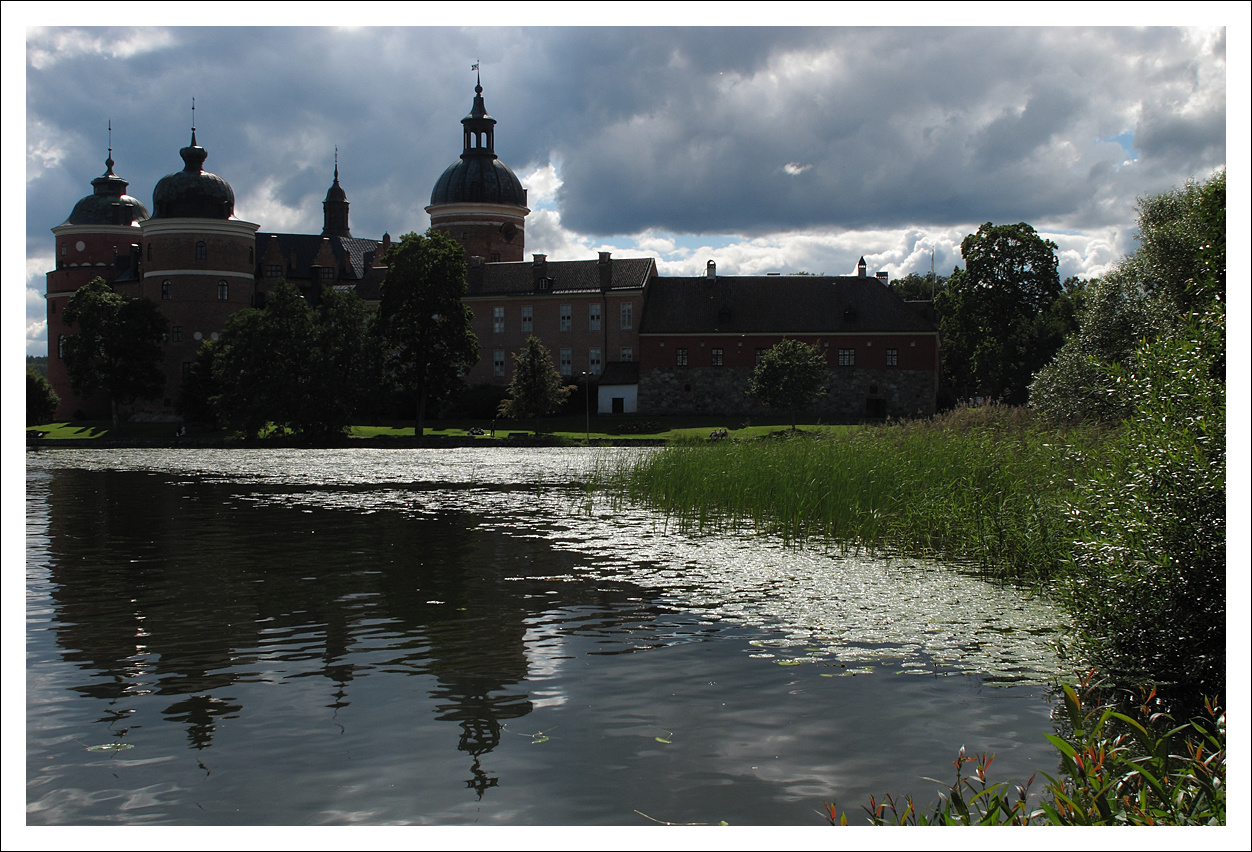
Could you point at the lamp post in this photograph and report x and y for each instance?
(587, 403)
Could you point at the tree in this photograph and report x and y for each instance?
(790, 376)
(423, 321)
(916, 288)
(41, 399)
(289, 366)
(536, 389)
(116, 347)
(1000, 318)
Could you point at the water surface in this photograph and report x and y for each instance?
(460, 637)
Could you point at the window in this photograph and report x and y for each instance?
(847, 357)
(328, 273)
(495, 257)
(52, 307)
(628, 311)
(628, 354)
(274, 270)
(528, 318)
(149, 251)
(893, 357)
(251, 255)
(498, 362)
(760, 354)
(65, 248)
(717, 357)
(61, 346)
(594, 362)
(176, 334)
(593, 316)
(567, 317)
(202, 251)
(567, 362)
(682, 357)
(223, 291)
(167, 292)
(497, 319)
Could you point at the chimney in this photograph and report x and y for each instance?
(605, 267)
(710, 270)
(882, 277)
(539, 269)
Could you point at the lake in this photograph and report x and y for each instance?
(464, 637)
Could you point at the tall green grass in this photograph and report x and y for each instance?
(984, 487)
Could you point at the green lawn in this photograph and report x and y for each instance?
(572, 429)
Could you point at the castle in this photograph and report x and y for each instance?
(647, 343)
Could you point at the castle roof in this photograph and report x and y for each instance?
(560, 276)
(193, 193)
(108, 204)
(777, 304)
(478, 176)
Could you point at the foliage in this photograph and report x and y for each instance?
(536, 389)
(916, 288)
(986, 485)
(288, 367)
(1150, 527)
(1118, 768)
(38, 363)
(195, 396)
(41, 399)
(789, 376)
(423, 321)
(1004, 316)
(116, 347)
(1178, 272)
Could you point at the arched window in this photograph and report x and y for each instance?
(166, 290)
(149, 251)
(223, 291)
(61, 346)
(202, 251)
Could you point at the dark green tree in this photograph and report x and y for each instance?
(790, 376)
(1001, 318)
(422, 320)
(536, 389)
(116, 345)
(917, 288)
(41, 399)
(290, 367)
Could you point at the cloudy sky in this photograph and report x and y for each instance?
(768, 149)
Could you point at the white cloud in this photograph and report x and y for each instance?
(796, 168)
(47, 47)
(541, 185)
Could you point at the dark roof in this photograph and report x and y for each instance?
(620, 373)
(108, 204)
(193, 193)
(299, 251)
(481, 180)
(565, 276)
(776, 304)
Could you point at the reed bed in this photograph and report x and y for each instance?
(984, 487)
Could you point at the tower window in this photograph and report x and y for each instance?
(149, 251)
(202, 251)
(274, 270)
(223, 291)
(167, 291)
(176, 334)
(61, 346)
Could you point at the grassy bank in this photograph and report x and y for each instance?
(978, 486)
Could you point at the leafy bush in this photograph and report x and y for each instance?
(1135, 768)
(41, 399)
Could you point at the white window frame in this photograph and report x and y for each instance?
(567, 317)
(528, 318)
(593, 360)
(628, 315)
(593, 316)
(567, 362)
(497, 319)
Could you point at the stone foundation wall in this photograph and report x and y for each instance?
(850, 393)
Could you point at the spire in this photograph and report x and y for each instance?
(108, 163)
(479, 127)
(335, 207)
(193, 155)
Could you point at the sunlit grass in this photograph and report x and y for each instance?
(983, 487)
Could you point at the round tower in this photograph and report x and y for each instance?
(101, 238)
(478, 201)
(335, 208)
(198, 261)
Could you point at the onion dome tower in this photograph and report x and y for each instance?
(478, 201)
(335, 208)
(100, 238)
(199, 261)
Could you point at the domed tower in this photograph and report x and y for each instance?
(101, 238)
(478, 201)
(198, 261)
(335, 208)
